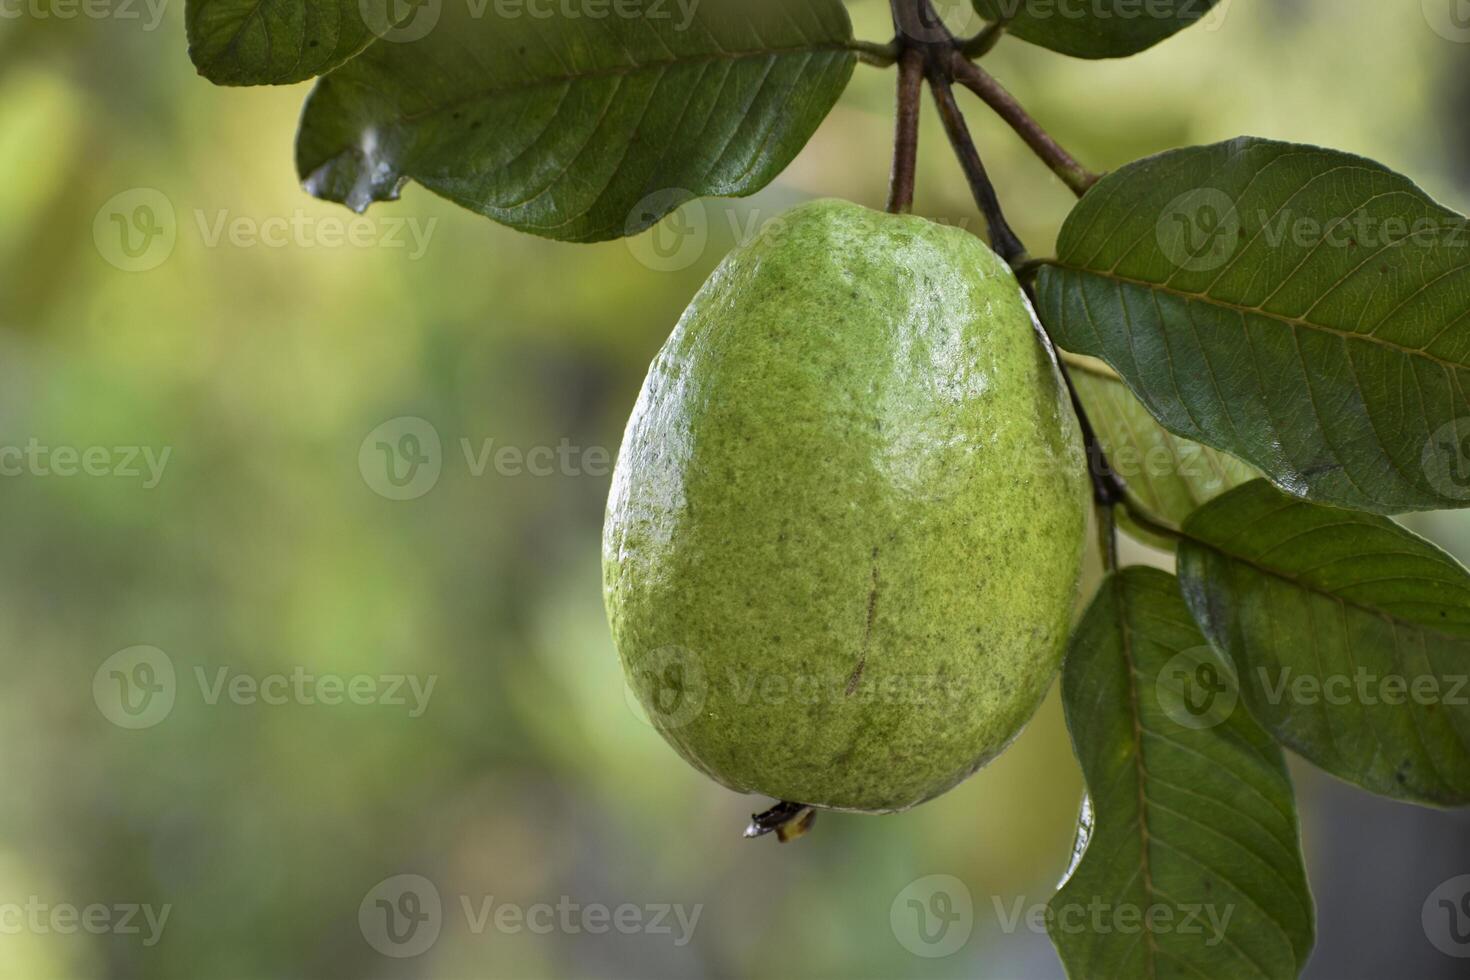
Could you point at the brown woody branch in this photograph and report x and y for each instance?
(983, 84)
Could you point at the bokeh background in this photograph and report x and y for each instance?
(264, 365)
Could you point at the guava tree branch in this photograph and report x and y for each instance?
(913, 22)
(906, 140)
(1002, 238)
(983, 84)
(926, 47)
(1108, 488)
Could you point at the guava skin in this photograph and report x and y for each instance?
(846, 526)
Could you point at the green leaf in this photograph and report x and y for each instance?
(1095, 28)
(581, 129)
(1303, 309)
(275, 42)
(1190, 859)
(1172, 477)
(1326, 614)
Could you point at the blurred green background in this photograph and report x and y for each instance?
(269, 547)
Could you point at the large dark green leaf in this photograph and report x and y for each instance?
(1095, 28)
(1171, 476)
(575, 128)
(1351, 636)
(274, 42)
(1303, 309)
(1192, 864)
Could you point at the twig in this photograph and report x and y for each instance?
(1108, 488)
(914, 21)
(1002, 238)
(906, 140)
(1062, 163)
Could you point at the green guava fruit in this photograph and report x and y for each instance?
(846, 525)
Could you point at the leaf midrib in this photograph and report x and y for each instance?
(1140, 769)
(232, 47)
(1243, 310)
(1286, 577)
(616, 71)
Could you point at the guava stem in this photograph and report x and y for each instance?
(911, 25)
(906, 140)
